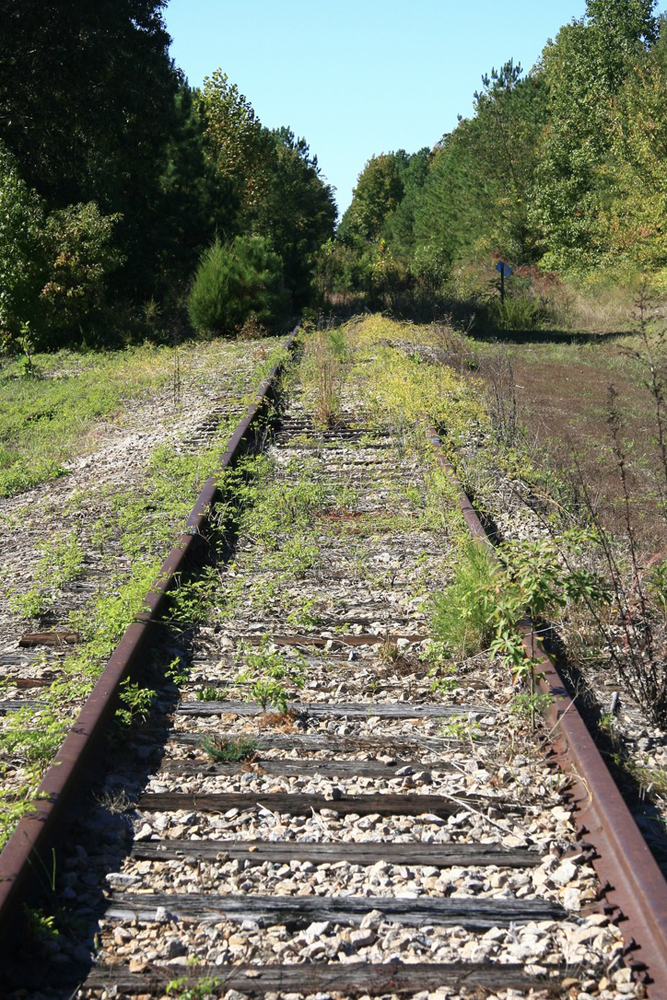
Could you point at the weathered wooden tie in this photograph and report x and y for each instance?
(304, 804)
(473, 913)
(366, 853)
(350, 980)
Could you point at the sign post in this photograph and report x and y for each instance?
(505, 271)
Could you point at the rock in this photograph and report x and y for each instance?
(121, 880)
(174, 948)
(565, 873)
(371, 919)
(316, 930)
(363, 937)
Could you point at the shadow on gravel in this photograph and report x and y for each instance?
(57, 953)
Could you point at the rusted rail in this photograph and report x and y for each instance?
(639, 901)
(26, 858)
(634, 888)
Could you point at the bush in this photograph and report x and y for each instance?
(22, 263)
(234, 282)
(461, 616)
(78, 241)
(517, 312)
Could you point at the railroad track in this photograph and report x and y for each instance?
(387, 827)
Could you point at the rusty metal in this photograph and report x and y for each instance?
(26, 859)
(634, 888)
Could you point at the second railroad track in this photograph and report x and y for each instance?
(320, 802)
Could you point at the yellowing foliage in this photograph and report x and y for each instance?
(410, 383)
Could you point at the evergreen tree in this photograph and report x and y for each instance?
(585, 68)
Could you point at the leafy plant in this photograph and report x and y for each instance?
(461, 616)
(228, 750)
(211, 694)
(268, 675)
(531, 704)
(533, 578)
(61, 562)
(41, 926)
(184, 989)
(460, 728)
(136, 702)
(178, 671)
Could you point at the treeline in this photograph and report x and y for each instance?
(564, 168)
(119, 183)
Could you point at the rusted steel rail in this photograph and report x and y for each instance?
(26, 858)
(633, 885)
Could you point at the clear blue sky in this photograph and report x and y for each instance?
(360, 77)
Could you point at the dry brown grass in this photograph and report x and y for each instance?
(561, 392)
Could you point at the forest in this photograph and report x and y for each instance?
(133, 205)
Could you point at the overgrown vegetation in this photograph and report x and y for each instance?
(608, 597)
(86, 256)
(559, 171)
(139, 523)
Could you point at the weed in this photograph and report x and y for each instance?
(211, 694)
(302, 614)
(461, 729)
(388, 651)
(268, 693)
(324, 373)
(184, 989)
(40, 925)
(15, 805)
(178, 671)
(266, 676)
(517, 312)
(443, 678)
(528, 705)
(228, 750)
(502, 401)
(31, 603)
(136, 703)
(461, 616)
(529, 577)
(193, 600)
(116, 803)
(61, 563)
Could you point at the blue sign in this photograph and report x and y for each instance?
(504, 268)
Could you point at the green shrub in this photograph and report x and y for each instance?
(235, 282)
(461, 616)
(517, 312)
(78, 242)
(22, 263)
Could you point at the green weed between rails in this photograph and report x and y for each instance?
(276, 513)
(229, 750)
(323, 371)
(143, 525)
(268, 677)
(184, 989)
